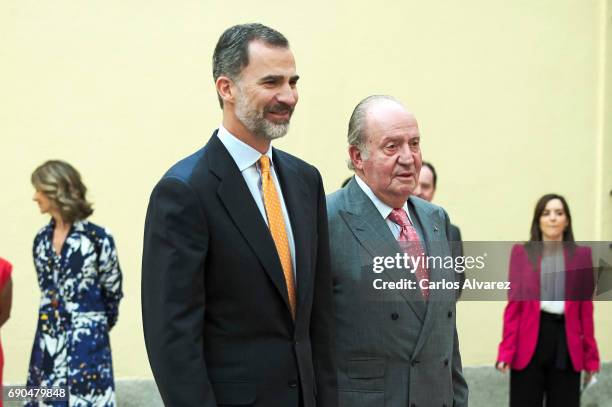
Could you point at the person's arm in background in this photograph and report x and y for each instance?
(512, 314)
(6, 299)
(589, 344)
(110, 279)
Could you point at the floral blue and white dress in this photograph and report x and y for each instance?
(80, 294)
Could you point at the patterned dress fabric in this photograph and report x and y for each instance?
(80, 294)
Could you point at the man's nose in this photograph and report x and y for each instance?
(405, 155)
(287, 95)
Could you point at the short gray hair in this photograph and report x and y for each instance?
(356, 129)
(232, 51)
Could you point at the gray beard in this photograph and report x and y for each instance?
(257, 124)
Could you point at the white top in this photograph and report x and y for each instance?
(246, 158)
(552, 284)
(553, 307)
(384, 209)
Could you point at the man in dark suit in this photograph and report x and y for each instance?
(426, 189)
(236, 283)
(395, 346)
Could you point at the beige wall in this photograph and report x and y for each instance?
(511, 97)
(605, 193)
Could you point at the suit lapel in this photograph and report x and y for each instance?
(431, 232)
(297, 199)
(373, 233)
(431, 235)
(242, 209)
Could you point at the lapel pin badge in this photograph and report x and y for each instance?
(435, 228)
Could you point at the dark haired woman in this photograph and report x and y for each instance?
(548, 336)
(80, 281)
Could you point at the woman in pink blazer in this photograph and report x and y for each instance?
(548, 335)
(6, 288)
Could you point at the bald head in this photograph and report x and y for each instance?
(385, 115)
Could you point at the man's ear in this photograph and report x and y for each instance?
(356, 157)
(225, 89)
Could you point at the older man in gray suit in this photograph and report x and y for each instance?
(396, 339)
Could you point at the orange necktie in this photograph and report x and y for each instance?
(276, 222)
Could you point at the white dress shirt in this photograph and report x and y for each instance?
(246, 158)
(384, 209)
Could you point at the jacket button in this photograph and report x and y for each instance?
(292, 384)
(414, 363)
(450, 314)
(445, 363)
(394, 316)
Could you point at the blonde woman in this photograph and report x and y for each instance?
(80, 281)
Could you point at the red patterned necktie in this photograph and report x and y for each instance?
(411, 245)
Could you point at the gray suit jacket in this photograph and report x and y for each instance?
(392, 347)
(457, 248)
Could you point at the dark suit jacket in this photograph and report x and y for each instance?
(454, 238)
(217, 324)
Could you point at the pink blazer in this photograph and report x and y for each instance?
(5, 273)
(522, 313)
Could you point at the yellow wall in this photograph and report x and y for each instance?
(605, 193)
(512, 100)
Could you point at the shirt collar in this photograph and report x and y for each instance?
(384, 209)
(243, 154)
